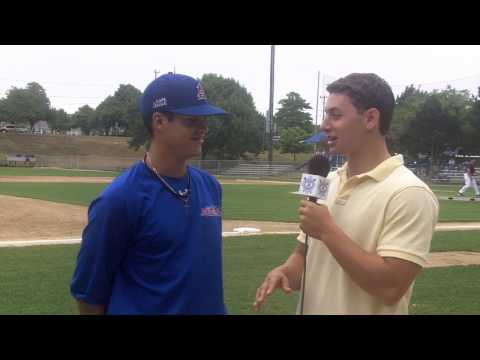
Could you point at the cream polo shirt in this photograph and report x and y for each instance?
(388, 211)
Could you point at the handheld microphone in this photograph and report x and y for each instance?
(314, 185)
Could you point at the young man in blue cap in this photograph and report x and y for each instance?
(153, 242)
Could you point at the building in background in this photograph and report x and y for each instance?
(41, 128)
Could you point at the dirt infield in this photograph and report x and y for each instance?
(27, 219)
(22, 218)
(46, 220)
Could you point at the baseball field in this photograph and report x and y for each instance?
(51, 204)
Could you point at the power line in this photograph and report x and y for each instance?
(472, 77)
(75, 97)
(57, 83)
(458, 79)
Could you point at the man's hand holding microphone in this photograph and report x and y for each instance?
(315, 219)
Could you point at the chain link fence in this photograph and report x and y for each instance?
(86, 162)
(224, 168)
(280, 170)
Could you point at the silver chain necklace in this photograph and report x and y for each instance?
(182, 195)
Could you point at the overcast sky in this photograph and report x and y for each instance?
(77, 75)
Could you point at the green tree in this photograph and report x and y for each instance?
(107, 116)
(128, 98)
(26, 105)
(3, 112)
(431, 130)
(59, 120)
(292, 113)
(290, 141)
(242, 131)
(456, 104)
(407, 105)
(471, 128)
(459, 105)
(229, 137)
(120, 111)
(83, 118)
(139, 135)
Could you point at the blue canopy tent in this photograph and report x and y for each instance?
(315, 138)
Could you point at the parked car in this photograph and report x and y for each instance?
(7, 128)
(13, 128)
(23, 130)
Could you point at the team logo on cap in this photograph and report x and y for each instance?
(160, 103)
(200, 92)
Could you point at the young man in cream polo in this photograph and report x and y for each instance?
(371, 239)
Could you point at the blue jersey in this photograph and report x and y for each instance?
(144, 252)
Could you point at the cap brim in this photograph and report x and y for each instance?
(200, 110)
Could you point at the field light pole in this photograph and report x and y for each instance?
(270, 111)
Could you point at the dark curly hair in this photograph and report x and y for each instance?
(367, 91)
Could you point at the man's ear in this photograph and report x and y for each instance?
(158, 121)
(372, 119)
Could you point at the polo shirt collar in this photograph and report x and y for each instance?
(380, 172)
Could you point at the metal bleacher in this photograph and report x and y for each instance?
(452, 176)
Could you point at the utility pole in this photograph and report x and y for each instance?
(323, 97)
(316, 107)
(156, 72)
(270, 111)
(323, 107)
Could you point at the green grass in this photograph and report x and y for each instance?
(447, 291)
(68, 193)
(17, 171)
(451, 210)
(275, 203)
(445, 190)
(36, 280)
(456, 241)
(459, 211)
(260, 202)
(240, 202)
(450, 190)
(456, 210)
(247, 260)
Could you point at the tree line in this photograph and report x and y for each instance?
(436, 124)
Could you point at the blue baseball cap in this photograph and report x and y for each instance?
(178, 94)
